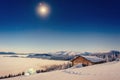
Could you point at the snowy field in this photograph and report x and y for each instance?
(15, 65)
(106, 71)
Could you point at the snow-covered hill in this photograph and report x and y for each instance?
(107, 71)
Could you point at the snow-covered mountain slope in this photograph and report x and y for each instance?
(68, 53)
(71, 53)
(61, 55)
(107, 71)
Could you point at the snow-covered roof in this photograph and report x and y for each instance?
(93, 58)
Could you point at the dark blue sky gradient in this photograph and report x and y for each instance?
(78, 25)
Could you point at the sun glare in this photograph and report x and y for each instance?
(43, 10)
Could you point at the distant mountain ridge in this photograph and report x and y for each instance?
(68, 55)
(7, 53)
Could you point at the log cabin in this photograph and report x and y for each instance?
(87, 60)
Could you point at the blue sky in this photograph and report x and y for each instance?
(79, 25)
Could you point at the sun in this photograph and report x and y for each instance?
(43, 10)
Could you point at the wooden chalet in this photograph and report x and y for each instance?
(87, 60)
